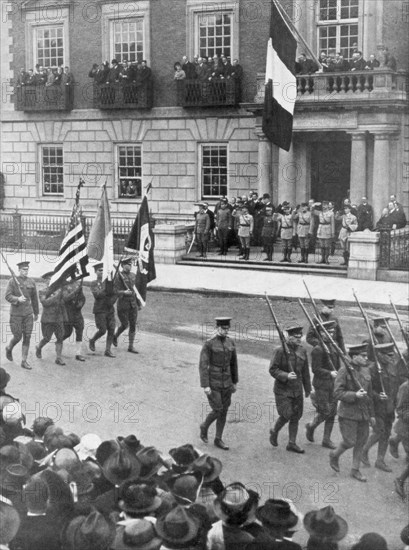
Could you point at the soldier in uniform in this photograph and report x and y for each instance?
(105, 298)
(292, 376)
(202, 231)
(246, 227)
(384, 402)
(355, 410)
(269, 233)
(349, 225)
(326, 230)
(325, 374)
(218, 377)
(23, 312)
(127, 305)
(327, 314)
(304, 230)
(224, 224)
(402, 431)
(74, 300)
(53, 318)
(286, 225)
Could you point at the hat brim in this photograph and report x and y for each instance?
(119, 544)
(193, 529)
(156, 503)
(339, 535)
(290, 521)
(217, 469)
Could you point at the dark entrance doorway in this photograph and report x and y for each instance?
(330, 170)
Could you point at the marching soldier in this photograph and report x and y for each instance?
(355, 409)
(53, 318)
(323, 384)
(127, 305)
(384, 402)
(292, 376)
(105, 298)
(327, 314)
(286, 225)
(74, 300)
(218, 377)
(326, 229)
(303, 229)
(402, 431)
(349, 225)
(21, 293)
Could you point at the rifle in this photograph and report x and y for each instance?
(314, 305)
(13, 275)
(395, 344)
(405, 336)
(280, 333)
(371, 339)
(319, 336)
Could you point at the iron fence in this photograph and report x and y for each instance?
(44, 98)
(394, 249)
(123, 96)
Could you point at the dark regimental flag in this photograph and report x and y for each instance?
(141, 244)
(281, 83)
(72, 258)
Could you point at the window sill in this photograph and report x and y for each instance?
(126, 200)
(51, 199)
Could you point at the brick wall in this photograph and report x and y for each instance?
(395, 31)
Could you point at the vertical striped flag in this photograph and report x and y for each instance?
(281, 83)
(72, 256)
(101, 240)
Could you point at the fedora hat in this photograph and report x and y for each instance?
(13, 478)
(184, 455)
(325, 524)
(120, 466)
(139, 534)
(16, 454)
(233, 504)
(138, 498)
(277, 513)
(179, 526)
(209, 466)
(131, 442)
(9, 521)
(92, 532)
(185, 487)
(150, 462)
(105, 450)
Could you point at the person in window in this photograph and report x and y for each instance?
(323, 60)
(50, 76)
(304, 65)
(226, 68)
(123, 188)
(179, 72)
(41, 75)
(67, 77)
(372, 63)
(145, 74)
(113, 75)
(358, 62)
(125, 72)
(132, 189)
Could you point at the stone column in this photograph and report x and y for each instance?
(264, 163)
(288, 173)
(303, 173)
(357, 185)
(381, 173)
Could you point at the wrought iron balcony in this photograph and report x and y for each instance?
(44, 98)
(123, 96)
(211, 93)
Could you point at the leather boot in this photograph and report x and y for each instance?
(289, 252)
(284, 259)
(131, 348)
(326, 440)
(301, 261)
(58, 350)
(24, 355)
(322, 256)
(306, 256)
(327, 251)
(274, 432)
(247, 256)
(345, 256)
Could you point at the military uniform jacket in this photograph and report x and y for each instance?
(74, 299)
(218, 364)
(53, 307)
(269, 227)
(286, 225)
(402, 411)
(123, 282)
(246, 225)
(224, 218)
(202, 223)
(312, 339)
(350, 406)
(105, 296)
(391, 381)
(326, 224)
(279, 369)
(321, 368)
(303, 220)
(349, 225)
(29, 290)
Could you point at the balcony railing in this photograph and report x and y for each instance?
(123, 96)
(394, 249)
(44, 98)
(194, 93)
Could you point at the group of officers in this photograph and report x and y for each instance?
(62, 311)
(344, 383)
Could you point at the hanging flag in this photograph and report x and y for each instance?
(72, 258)
(101, 240)
(141, 244)
(281, 83)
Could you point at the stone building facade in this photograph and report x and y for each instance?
(346, 139)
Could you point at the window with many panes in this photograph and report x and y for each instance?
(214, 34)
(214, 170)
(129, 171)
(338, 26)
(52, 169)
(127, 40)
(49, 46)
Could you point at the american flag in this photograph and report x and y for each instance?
(72, 256)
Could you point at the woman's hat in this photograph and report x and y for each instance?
(234, 502)
(88, 446)
(277, 513)
(325, 524)
(179, 526)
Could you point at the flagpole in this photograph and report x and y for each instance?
(296, 34)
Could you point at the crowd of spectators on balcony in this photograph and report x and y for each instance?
(126, 72)
(45, 76)
(208, 69)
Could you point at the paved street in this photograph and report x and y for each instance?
(156, 395)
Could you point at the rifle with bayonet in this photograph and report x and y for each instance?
(314, 305)
(388, 328)
(321, 340)
(280, 333)
(404, 333)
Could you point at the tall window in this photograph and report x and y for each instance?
(127, 40)
(338, 26)
(214, 34)
(49, 46)
(52, 164)
(214, 170)
(130, 171)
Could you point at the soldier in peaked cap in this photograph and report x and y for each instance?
(21, 293)
(74, 301)
(105, 297)
(292, 377)
(218, 377)
(326, 230)
(327, 314)
(127, 305)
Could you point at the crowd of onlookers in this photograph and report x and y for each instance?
(125, 72)
(60, 491)
(208, 68)
(42, 76)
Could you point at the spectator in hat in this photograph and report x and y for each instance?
(74, 301)
(10, 523)
(21, 293)
(12, 481)
(53, 318)
(179, 72)
(365, 215)
(137, 534)
(127, 305)
(404, 536)
(91, 532)
(370, 541)
(105, 297)
(202, 230)
(292, 378)
(326, 529)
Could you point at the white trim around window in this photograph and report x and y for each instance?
(219, 171)
(51, 168)
(132, 174)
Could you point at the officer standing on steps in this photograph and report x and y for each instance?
(218, 377)
(127, 305)
(21, 293)
(292, 377)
